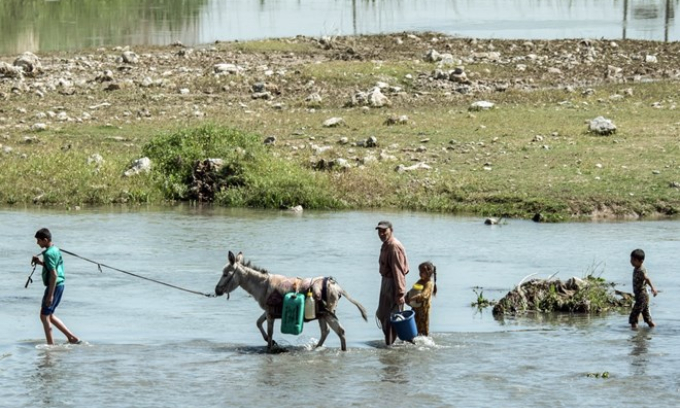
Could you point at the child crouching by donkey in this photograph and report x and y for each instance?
(420, 297)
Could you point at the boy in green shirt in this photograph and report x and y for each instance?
(53, 279)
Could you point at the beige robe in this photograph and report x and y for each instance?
(393, 269)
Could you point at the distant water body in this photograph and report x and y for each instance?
(38, 25)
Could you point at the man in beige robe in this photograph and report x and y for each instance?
(393, 269)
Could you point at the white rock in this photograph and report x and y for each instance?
(377, 99)
(418, 166)
(227, 69)
(139, 166)
(130, 57)
(333, 122)
(481, 105)
(602, 126)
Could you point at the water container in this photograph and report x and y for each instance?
(292, 316)
(417, 289)
(310, 307)
(405, 324)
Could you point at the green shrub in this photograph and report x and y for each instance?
(175, 154)
(274, 183)
(249, 177)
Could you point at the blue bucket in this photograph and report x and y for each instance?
(405, 324)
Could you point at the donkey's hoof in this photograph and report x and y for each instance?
(277, 350)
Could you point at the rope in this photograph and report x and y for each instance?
(100, 265)
(30, 277)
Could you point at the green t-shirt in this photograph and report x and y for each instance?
(52, 260)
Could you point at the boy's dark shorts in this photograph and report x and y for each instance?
(58, 291)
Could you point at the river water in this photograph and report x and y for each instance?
(148, 345)
(38, 25)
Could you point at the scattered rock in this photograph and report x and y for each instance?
(139, 166)
(314, 99)
(333, 122)
(481, 105)
(227, 69)
(372, 141)
(377, 99)
(29, 64)
(9, 71)
(418, 166)
(394, 120)
(129, 57)
(602, 126)
(270, 140)
(432, 56)
(39, 127)
(458, 75)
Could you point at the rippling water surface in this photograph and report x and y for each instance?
(147, 345)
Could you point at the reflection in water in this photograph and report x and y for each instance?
(395, 366)
(38, 25)
(649, 13)
(46, 377)
(640, 341)
(555, 320)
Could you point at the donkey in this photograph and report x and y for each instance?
(268, 290)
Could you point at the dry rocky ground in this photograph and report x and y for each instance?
(113, 85)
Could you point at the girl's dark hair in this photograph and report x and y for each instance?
(638, 254)
(429, 266)
(43, 233)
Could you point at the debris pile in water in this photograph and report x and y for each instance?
(588, 295)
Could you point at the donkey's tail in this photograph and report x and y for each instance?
(361, 308)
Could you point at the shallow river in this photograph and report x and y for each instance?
(147, 345)
(38, 25)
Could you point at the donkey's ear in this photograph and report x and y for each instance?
(239, 257)
(232, 258)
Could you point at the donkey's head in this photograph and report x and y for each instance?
(230, 275)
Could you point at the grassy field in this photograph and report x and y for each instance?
(530, 154)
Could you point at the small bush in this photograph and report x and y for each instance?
(174, 155)
(248, 177)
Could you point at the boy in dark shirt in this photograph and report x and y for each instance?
(640, 281)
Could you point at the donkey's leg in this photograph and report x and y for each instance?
(324, 331)
(259, 323)
(338, 329)
(270, 333)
